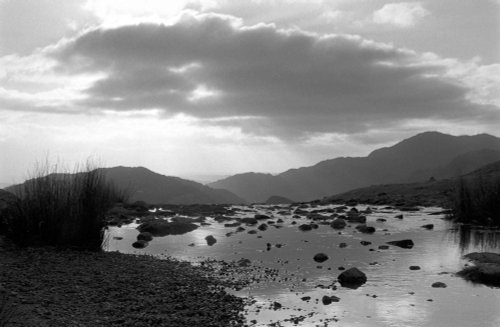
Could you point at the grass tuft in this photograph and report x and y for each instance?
(62, 209)
(477, 201)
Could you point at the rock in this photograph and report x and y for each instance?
(338, 223)
(261, 217)
(329, 299)
(381, 220)
(244, 262)
(352, 278)
(428, 226)
(399, 216)
(365, 229)
(140, 244)
(145, 236)
(163, 228)
(383, 247)
(342, 245)
(483, 257)
(276, 306)
(305, 298)
(262, 227)
(355, 217)
(486, 269)
(406, 208)
(414, 267)
(249, 221)
(253, 231)
(305, 227)
(210, 240)
(405, 244)
(439, 285)
(320, 257)
(365, 243)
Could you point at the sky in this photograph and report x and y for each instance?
(207, 87)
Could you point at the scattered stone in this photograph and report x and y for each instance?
(329, 299)
(320, 257)
(486, 268)
(145, 236)
(210, 240)
(140, 244)
(414, 267)
(352, 278)
(305, 227)
(305, 298)
(262, 227)
(338, 223)
(160, 227)
(244, 262)
(383, 247)
(365, 243)
(428, 226)
(405, 244)
(439, 285)
(365, 229)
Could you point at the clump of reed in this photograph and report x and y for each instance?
(477, 201)
(62, 209)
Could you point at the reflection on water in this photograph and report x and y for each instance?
(394, 295)
(470, 238)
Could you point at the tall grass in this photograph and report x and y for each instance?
(477, 201)
(62, 209)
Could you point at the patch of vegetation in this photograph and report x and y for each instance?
(477, 201)
(62, 209)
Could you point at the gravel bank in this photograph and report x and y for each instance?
(50, 287)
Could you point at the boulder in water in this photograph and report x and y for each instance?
(352, 278)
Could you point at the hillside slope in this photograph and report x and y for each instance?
(415, 159)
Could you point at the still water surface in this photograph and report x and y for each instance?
(394, 295)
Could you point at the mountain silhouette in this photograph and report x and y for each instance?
(146, 185)
(412, 160)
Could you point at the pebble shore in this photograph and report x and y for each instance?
(49, 287)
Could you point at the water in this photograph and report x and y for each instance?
(394, 295)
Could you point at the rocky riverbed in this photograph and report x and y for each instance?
(47, 287)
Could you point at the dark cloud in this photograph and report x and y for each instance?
(292, 83)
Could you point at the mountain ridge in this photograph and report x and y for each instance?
(424, 153)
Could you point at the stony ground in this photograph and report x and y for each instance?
(48, 287)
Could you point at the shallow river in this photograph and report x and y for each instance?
(393, 295)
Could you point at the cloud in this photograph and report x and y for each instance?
(403, 14)
(266, 81)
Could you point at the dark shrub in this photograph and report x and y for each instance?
(62, 209)
(477, 201)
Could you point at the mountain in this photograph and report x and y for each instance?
(148, 186)
(412, 160)
(430, 193)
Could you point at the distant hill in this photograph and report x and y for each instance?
(430, 193)
(416, 159)
(152, 187)
(146, 185)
